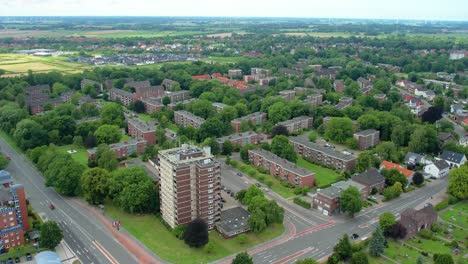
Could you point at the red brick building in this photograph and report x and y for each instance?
(282, 168)
(123, 149)
(327, 200)
(297, 123)
(371, 179)
(256, 118)
(288, 94)
(140, 129)
(314, 99)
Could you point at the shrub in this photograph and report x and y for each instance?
(261, 178)
(437, 227)
(269, 183)
(424, 253)
(302, 203)
(442, 205)
(426, 233)
(452, 200)
(179, 231)
(241, 239)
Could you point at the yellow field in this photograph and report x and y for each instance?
(19, 64)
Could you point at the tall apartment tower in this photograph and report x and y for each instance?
(190, 182)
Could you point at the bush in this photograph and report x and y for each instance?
(424, 253)
(179, 231)
(437, 227)
(261, 178)
(442, 205)
(426, 233)
(452, 199)
(241, 239)
(302, 203)
(269, 183)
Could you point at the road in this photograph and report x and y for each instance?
(317, 234)
(83, 233)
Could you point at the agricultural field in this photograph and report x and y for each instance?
(19, 64)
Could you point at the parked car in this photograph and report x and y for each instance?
(258, 185)
(239, 174)
(228, 191)
(354, 236)
(232, 194)
(17, 260)
(52, 206)
(28, 256)
(7, 157)
(10, 261)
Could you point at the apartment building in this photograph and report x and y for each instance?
(140, 90)
(327, 200)
(314, 99)
(234, 73)
(178, 95)
(185, 118)
(282, 168)
(152, 104)
(140, 129)
(367, 138)
(323, 155)
(13, 213)
(256, 118)
(123, 149)
(297, 123)
(241, 139)
(288, 95)
(219, 106)
(190, 185)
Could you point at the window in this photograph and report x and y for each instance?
(210, 217)
(10, 213)
(210, 201)
(210, 207)
(210, 185)
(210, 180)
(210, 212)
(210, 196)
(210, 190)
(11, 218)
(210, 169)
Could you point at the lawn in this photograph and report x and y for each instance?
(323, 176)
(151, 232)
(81, 155)
(455, 217)
(433, 247)
(225, 59)
(462, 207)
(402, 254)
(125, 137)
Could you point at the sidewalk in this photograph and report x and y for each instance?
(65, 253)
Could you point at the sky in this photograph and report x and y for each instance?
(374, 9)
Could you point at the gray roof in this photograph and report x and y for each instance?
(369, 177)
(452, 156)
(119, 145)
(250, 116)
(413, 157)
(145, 126)
(285, 164)
(233, 137)
(5, 177)
(331, 192)
(343, 185)
(366, 132)
(295, 120)
(441, 164)
(326, 151)
(233, 220)
(121, 92)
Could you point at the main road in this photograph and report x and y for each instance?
(85, 235)
(317, 234)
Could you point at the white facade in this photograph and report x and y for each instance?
(434, 171)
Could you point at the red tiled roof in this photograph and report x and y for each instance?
(465, 121)
(393, 166)
(216, 75)
(222, 79)
(408, 97)
(201, 77)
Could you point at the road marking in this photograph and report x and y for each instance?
(314, 229)
(105, 253)
(293, 256)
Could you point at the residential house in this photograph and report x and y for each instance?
(416, 220)
(329, 73)
(367, 138)
(393, 166)
(426, 93)
(454, 159)
(233, 221)
(235, 73)
(327, 200)
(445, 137)
(463, 141)
(438, 169)
(256, 118)
(326, 156)
(371, 179)
(415, 159)
(144, 130)
(185, 118)
(297, 123)
(202, 77)
(365, 85)
(282, 168)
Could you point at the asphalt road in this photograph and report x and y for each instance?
(316, 234)
(84, 234)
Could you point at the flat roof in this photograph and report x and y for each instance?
(284, 163)
(233, 220)
(327, 151)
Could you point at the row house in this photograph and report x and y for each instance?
(185, 118)
(202, 77)
(123, 149)
(327, 200)
(282, 168)
(367, 138)
(241, 139)
(256, 118)
(380, 97)
(325, 156)
(297, 123)
(140, 129)
(288, 95)
(291, 72)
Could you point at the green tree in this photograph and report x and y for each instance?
(112, 114)
(244, 152)
(365, 160)
(458, 182)
(343, 248)
(213, 127)
(393, 191)
(95, 185)
(242, 258)
(306, 261)
(418, 178)
(392, 176)
(386, 221)
(443, 259)
(51, 235)
(227, 147)
(29, 134)
(166, 100)
(351, 201)
(312, 136)
(339, 129)
(281, 147)
(250, 194)
(3, 162)
(387, 151)
(107, 134)
(105, 158)
(359, 258)
(64, 173)
(257, 221)
(209, 247)
(242, 239)
(279, 112)
(377, 243)
(424, 140)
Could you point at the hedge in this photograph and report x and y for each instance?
(301, 202)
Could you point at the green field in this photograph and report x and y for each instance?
(457, 215)
(224, 59)
(323, 175)
(80, 156)
(152, 233)
(19, 64)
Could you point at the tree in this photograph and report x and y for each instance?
(242, 258)
(279, 130)
(250, 194)
(279, 112)
(392, 176)
(339, 129)
(166, 100)
(458, 182)
(359, 258)
(387, 151)
(386, 221)
(432, 114)
(393, 191)
(105, 158)
(241, 239)
(107, 134)
(196, 233)
(443, 259)
(343, 248)
(112, 114)
(244, 152)
(63, 173)
(281, 147)
(95, 185)
(377, 243)
(257, 221)
(212, 127)
(227, 147)
(91, 89)
(51, 235)
(365, 160)
(3, 162)
(312, 136)
(29, 134)
(424, 140)
(306, 261)
(398, 231)
(418, 178)
(351, 201)
(139, 107)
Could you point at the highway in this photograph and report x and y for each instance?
(316, 234)
(85, 235)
